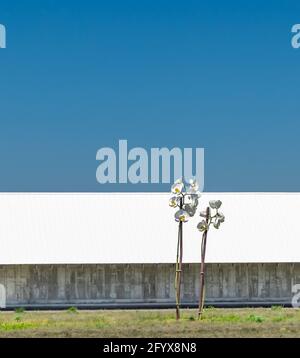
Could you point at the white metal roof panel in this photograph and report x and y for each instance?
(139, 228)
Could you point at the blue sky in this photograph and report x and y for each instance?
(77, 76)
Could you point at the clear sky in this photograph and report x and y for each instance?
(80, 75)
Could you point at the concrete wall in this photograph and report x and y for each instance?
(145, 284)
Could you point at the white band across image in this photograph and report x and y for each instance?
(66, 228)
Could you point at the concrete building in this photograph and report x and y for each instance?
(113, 250)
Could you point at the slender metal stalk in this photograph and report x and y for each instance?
(179, 266)
(176, 275)
(202, 267)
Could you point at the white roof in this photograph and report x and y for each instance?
(140, 228)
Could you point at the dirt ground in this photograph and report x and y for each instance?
(249, 322)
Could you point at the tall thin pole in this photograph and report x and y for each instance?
(176, 277)
(202, 267)
(179, 266)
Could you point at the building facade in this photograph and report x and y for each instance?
(118, 250)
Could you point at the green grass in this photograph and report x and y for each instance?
(13, 326)
(72, 309)
(249, 322)
(20, 310)
(254, 318)
(276, 308)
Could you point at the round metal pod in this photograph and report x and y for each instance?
(215, 204)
